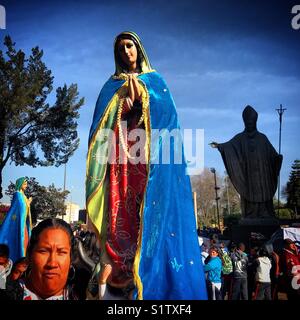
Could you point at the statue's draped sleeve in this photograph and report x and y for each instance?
(253, 165)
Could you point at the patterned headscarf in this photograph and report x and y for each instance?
(19, 183)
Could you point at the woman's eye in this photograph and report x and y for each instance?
(63, 252)
(128, 46)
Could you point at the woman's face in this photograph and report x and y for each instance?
(50, 262)
(128, 52)
(213, 253)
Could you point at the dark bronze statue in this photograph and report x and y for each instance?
(253, 166)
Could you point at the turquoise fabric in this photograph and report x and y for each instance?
(13, 226)
(170, 263)
(214, 270)
(19, 183)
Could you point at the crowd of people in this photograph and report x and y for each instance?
(232, 274)
(49, 270)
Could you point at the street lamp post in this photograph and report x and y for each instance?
(280, 113)
(65, 176)
(227, 183)
(213, 170)
(70, 214)
(65, 181)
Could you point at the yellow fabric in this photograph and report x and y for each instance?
(96, 204)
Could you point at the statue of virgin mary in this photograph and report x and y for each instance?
(142, 210)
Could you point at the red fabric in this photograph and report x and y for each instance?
(126, 192)
(26, 238)
(290, 259)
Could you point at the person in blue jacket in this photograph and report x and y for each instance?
(214, 269)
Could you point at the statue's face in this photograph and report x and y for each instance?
(128, 52)
(250, 122)
(24, 186)
(250, 125)
(250, 118)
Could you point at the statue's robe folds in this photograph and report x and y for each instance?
(167, 257)
(253, 166)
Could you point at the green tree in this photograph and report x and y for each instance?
(32, 131)
(47, 202)
(281, 211)
(231, 219)
(204, 186)
(292, 189)
(230, 203)
(230, 199)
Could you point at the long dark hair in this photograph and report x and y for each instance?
(45, 224)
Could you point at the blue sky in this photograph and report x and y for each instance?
(216, 57)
